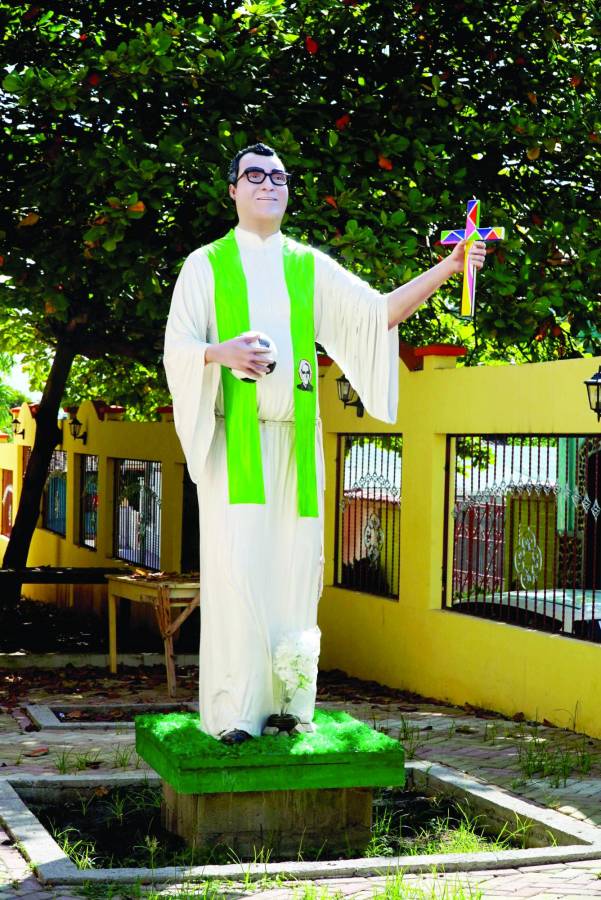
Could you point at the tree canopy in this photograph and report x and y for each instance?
(118, 122)
(9, 396)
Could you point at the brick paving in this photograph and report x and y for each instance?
(496, 750)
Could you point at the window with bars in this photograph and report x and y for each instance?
(524, 530)
(368, 513)
(137, 512)
(88, 501)
(6, 483)
(54, 499)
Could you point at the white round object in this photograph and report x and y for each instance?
(261, 340)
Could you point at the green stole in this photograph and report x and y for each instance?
(242, 435)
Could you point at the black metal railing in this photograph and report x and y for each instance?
(88, 500)
(137, 512)
(523, 530)
(54, 498)
(368, 513)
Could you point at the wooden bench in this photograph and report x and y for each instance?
(166, 595)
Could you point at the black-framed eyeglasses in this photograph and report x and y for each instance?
(257, 176)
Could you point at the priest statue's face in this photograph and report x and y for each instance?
(260, 207)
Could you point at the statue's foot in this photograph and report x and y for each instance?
(235, 737)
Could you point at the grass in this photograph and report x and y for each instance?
(79, 851)
(491, 731)
(62, 761)
(121, 827)
(207, 890)
(87, 760)
(123, 756)
(537, 759)
(409, 737)
(395, 887)
(117, 805)
(67, 761)
(449, 833)
(151, 847)
(443, 835)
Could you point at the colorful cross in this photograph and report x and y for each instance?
(472, 232)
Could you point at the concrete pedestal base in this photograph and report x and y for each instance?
(283, 822)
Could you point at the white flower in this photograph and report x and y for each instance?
(295, 662)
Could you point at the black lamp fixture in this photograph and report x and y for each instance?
(593, 387)
(75, 427)
(15, 426)
(348, 395)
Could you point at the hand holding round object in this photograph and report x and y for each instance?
(264, 342)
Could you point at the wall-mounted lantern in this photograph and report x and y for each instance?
(75, 427)
(15, 426)
(593, 387)
(348, 395)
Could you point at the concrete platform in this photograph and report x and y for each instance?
(281, 793)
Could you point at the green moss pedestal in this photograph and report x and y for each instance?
(288, 794)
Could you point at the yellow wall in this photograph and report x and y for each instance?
(108, 438)
(411, 643)
(414, 644)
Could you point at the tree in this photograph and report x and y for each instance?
(9, 396)
(117, 123)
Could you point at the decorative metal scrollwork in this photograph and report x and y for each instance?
(373, 537)
(528, 557)
(375, 480)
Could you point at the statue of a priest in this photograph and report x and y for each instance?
(254, 447)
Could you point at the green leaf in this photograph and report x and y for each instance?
(12, 83)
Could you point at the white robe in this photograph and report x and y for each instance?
(261, 565)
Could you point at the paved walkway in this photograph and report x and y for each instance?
(550, 766)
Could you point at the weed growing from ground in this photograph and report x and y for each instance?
(397, 887)
(311, 891)
(151, 846)
(85, 760)
(491, 732)
(409, 737)
(84, 802)
(123, 757)
(63, 762)
(116, 805)
(80, 852)
(537, 758)
(381, 832)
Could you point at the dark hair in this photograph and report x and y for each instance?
(259, 149)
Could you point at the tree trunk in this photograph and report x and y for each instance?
(47, 436)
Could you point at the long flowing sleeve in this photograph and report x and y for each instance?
(192, 382)
(351, 320)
